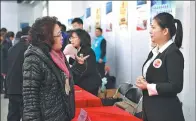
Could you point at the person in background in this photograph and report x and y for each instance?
(77, 23)
(69, 51)
(85, 75)
(163, 71)
(69, 35)
(64, 35)
(10, 37)
(48, 88)
(25, 33)
(2, 37)
(6, 44)
(15, 76)
(99, 47)
(63, 28)
(18, 37)
(4, 30)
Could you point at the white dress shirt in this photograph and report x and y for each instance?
(152, 87)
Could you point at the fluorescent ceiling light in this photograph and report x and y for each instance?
(32, 2)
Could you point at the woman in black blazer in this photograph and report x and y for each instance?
(85, 75)
(163, 70)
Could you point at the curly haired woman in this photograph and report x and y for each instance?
(48, 92)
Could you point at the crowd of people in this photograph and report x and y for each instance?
(42, 63)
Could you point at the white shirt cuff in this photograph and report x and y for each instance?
(152, 89)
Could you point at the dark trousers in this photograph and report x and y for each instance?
(144, 117)
(3, 85)
(15, 108)
(101, 69)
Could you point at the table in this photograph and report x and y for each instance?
(107, 113)
(85, 99)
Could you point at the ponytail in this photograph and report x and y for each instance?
(179, 33)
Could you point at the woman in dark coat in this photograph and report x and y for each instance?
(48, 92)
(163, 71)
(85, 75)
(6, 45)
(2, 37)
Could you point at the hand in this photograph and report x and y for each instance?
(100, 60)
(140, 78)
(81, 59)
(4, 75)
(141, 83)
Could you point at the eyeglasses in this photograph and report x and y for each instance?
(59, 34)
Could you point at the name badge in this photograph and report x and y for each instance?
(67, 86)
(83, 116)
(157, 63)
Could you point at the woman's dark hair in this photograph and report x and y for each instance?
(10, 34)
(19, 34)
(2, 34)
(25, 30)
(41, 32)
(85, 39)
(166, 20)
(3, 30)
(59, 23)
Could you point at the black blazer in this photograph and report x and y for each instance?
(0, 59)
(6, 44)
(15, 60)
(86, 75)
(169, 82)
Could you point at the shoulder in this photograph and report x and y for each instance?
(17, 45)
(103, 41)
(173, 52)
(31, 56)
(87, 51)
(11, 49)
(173, 49)
(32, 59)
(91, 52)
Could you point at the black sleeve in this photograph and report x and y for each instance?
(103, 48)
(5, 50)
(71, 61)
(31, 89)
(175, 68)
(4, 55)
(0, 61)
(80, 70)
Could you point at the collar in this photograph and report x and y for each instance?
(8, 40)
(164, 47)
(99, 37)
(24, 36)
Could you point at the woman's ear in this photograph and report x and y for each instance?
(165, 31)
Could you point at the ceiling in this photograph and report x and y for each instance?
(25, 1)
